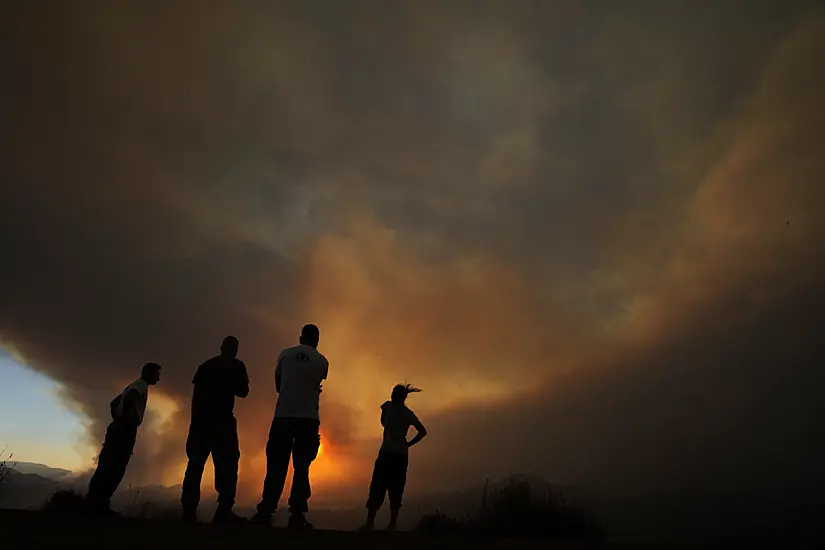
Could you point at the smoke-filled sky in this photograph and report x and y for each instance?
(592, 232)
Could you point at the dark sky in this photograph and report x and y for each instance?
(593, 232)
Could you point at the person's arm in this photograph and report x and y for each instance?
(422, 431)
(278, 375)
(197, 377)
(384, 406)
(242, 389)
(131, 408)
(324, 377)
(199, 373)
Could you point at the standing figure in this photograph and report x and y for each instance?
(390, 472)
(299, 374)
(127, 415)
(213, 430)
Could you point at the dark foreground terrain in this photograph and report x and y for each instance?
(26, 529)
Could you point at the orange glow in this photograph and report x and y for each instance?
(327, 468)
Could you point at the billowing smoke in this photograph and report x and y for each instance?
(592, 234)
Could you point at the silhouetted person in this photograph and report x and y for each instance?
(390, 472)
(295, 428)
(214, 429)
(127, 411)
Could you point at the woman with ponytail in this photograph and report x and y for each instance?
(390, 472)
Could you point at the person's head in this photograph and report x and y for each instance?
(229, 347)
(401, 391)
(150, 373)
(310, 335)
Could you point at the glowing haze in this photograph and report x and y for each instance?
(593, 233)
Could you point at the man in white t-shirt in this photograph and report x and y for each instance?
(127, 411)
(299, 372)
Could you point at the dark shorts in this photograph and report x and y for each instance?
(389, 477)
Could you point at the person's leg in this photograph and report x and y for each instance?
(226, 454)
(305, 451)
(278, 451)
(110, 469)
(125, 446)
(197, 451)
(396, 481)
(378, 490)
(94, 494)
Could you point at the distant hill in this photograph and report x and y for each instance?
(28, 491)
(57, 474)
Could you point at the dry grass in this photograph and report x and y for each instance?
(518, 510)
(6, 469)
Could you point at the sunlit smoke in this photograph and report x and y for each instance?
(591, 234)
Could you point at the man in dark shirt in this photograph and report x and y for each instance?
(213, 429)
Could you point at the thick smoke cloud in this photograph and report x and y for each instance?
(592, 233)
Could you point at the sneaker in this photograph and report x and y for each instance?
(366, 528)
(298, 522)
(392, 528)
(227, 518)
(261, 519)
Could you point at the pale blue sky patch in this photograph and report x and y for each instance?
(34, 423)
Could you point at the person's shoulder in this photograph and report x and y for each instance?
(205, 370)
(291, 354)
(239, 364)
(410, 413)
(209, 362)
(386, 405)
(291, 350)
(321, 358)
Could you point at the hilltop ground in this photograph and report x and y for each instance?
(26, 529)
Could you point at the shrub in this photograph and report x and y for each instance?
(65, 501)
(518, 510)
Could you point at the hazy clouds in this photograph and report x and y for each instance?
(593, 234)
